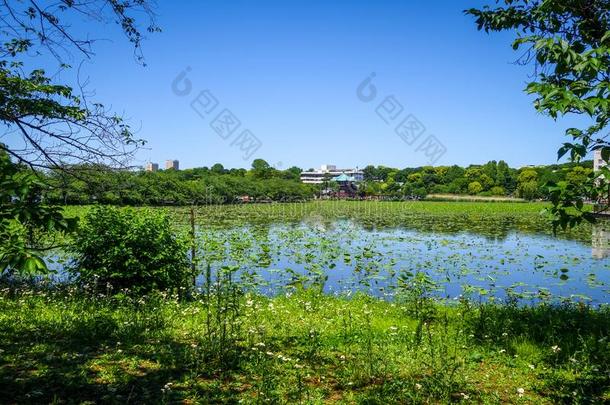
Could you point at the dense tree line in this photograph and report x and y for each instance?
(217, 185)
(566, 43)
(214, 185)
(491, 179)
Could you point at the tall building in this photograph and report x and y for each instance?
(152, 167)
(172, 164)
(600, 242)
(598, 162)
(329, 172)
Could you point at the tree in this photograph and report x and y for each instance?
(527, 184)
(486, 181)
(261, 169)
(503, 177)
(292, 173)
(578, 175)
(55, 123)
(491, 169)
(370, 173)
(497, 190)
(473, 173)
(23, 217)
(568, 42)
(217, 168)
(51, 124)
(474, 188)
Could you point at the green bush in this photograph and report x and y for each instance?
(131, 249)
(497, 190)
(474, 188)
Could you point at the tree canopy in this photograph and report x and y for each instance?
(49, 124)
(56, 123)
(567, 42)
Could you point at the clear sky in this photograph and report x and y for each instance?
(289, 71)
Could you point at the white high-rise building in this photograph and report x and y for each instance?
(152, 167)
(330, 172)
(172, 164)
(598, 162)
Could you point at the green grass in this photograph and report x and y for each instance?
(70, 347)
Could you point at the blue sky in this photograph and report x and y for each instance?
(288, 70)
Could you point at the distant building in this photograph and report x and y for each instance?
(172, 164)
(600, 242)
(329, 172)
(152, 167)
(604, 200)
(598, 162)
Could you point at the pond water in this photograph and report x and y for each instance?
(343, 256)
(446, 250)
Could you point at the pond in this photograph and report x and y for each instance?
(344, 257)
(447, 250)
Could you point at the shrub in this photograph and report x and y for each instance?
(497, 190)
(440, 189)
(474, 188)
(131, 249)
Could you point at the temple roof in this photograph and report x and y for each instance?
(343, 178)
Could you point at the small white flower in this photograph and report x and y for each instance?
(417, 386)
(503, 351)
(520, 391)
(556, 349)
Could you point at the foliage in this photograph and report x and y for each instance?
(54, 122)
(527, 184)
(474, 187)
(568, 41)
(24, 220)
(49, 123)
(175, 187)
(306, 348)
(217, 185)
(497, 191)
(491, 179)
(127, 249)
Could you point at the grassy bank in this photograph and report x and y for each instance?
(66, 347)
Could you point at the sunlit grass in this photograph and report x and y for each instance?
(305, 347)
(229, 343)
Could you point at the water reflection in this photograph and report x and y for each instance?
(600, 241)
